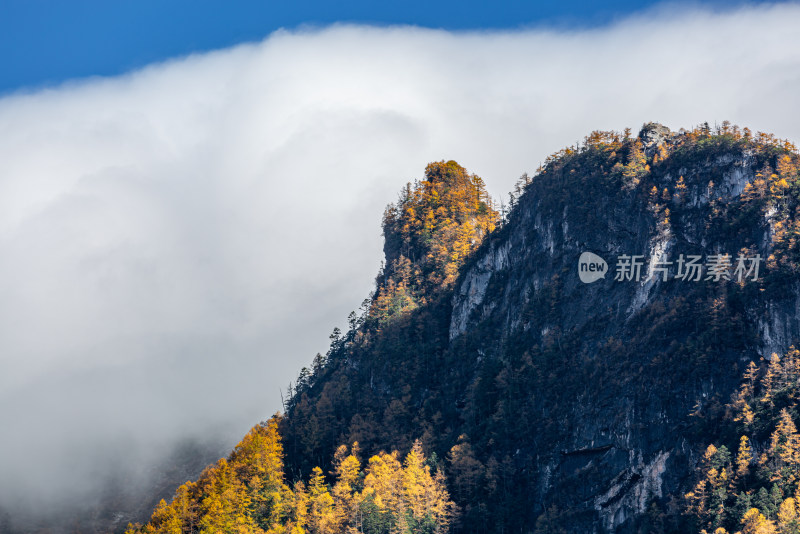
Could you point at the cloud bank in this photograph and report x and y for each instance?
(177, 242)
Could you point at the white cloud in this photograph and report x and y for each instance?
(177, 242)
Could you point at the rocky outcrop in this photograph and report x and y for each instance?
(631, 491)
(472, 290)
(653, 135)
(778, 323)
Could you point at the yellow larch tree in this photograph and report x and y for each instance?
(754, 522)
(743, 457)
(322, 517)
(785, 451)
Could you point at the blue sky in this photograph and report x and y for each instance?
(44, 42)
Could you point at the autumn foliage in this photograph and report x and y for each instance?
(247, 494)
(429, 232)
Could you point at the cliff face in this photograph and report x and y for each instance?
(653, 353)
(555, 402)
(550, 228)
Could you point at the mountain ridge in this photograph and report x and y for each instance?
(551, 405)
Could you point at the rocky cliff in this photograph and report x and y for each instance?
(562, 368)
(652, 352)
(551, 401)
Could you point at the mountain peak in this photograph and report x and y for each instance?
(654, 133)
(428, 233)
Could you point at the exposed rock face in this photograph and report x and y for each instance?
(617, 451)
(625, 446)
(472, 291)
(631, 491)
(654, 135)
(779, 323)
